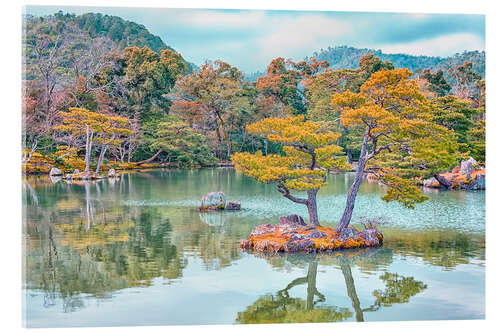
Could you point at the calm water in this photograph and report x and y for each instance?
(135, 251)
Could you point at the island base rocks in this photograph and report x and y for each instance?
(291, 235)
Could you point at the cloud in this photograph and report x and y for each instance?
(297, 36)
(219, 19)
(440, 46)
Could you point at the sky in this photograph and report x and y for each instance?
(250, 39)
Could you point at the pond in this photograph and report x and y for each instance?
(135, 251)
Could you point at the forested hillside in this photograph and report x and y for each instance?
(349, 57)
(100, 91)
(121, 32)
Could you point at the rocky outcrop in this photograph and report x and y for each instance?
(213, 201)
(217, 201)
(55, 172)
(292, 235)
(469, 175)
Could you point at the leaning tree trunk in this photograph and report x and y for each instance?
(312, 207)
(152, 157)
(353, 191)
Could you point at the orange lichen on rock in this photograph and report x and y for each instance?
(290, 237)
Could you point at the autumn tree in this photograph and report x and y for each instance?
(211, 101)
(310, 150)
(400, 140)
(319, 89)
(85, 128)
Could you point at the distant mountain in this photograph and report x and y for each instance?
(348, 57)
(123, 33)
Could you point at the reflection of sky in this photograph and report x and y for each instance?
(215, 297)
(230, 34)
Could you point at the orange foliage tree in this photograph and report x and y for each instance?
(400, 140)
(310, 150)
(79, 124)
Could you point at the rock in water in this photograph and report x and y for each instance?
(293, 220)
(213, 200)
(55, 172)
(468, 166)
(111, 173)
(233, 205)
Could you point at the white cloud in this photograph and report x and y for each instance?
(440, 46)
(292, 36)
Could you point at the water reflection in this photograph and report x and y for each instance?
(281, 308)
(95, 240)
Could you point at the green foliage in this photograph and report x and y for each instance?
(437, 82)
(181, 143)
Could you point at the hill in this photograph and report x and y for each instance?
(348, 57)
(121, 32)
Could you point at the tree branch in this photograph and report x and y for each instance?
(286, 193)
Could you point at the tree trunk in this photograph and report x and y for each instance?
(312, 207)
(152, 157)
(349, 155)
(353, 191)
(101, 156)
(88, 148)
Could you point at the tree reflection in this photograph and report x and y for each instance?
(280, 308)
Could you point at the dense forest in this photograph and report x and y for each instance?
(102, 92)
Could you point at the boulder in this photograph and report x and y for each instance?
(111, 173)
(293, 220)
(468, 166)
(478, 183)
(431, 182)
(233, 205)
(213, 200)
(54, 172)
